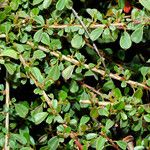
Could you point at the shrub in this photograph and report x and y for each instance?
(74, 74)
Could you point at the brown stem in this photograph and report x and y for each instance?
(99, 71)
(110, 141)
(87, 32)
(48, 101)
(6, 146)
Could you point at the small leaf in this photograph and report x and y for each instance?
(95, 34)
(67, 73)
(9, 53)
(60, 4)
(100, 142)
(84, 120)
(121, 3)
(45, 39)
(35, 2)
(53, 143)
(145, 3)
(90, 136)
(108, 85)
(46, 3)
(77, 41)
(54, 103)
(74, 87)
(137, 35)
(37, 74)
(103, 112)
(38, 35)
(40, 117)
(122, 144)
(125, 41)
(38, 54)
(39, 19)
(11, 68)
(147, 118)
(54, 72)
(21, 110)
(109, 124)
(138, 94)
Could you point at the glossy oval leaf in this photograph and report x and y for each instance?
(40, 117)
(145, 3)
(38, 35)
(10, 53)
(77, 41)
(125, 41)
(21, 110)
(67, 73)
(137, 35)
(95, 34)
(60, 5)
(54, 72)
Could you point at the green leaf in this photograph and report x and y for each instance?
(46, 3)
(103, 112)
(137, 35)
(145, 3)
(38, 54)
(35, 2)
(125, 41)
(53, 143)
(19, 47)
(95, 34)
(117, 93)
(21, 110)
(138, 94)
(9, 53)
(77, 41)
(62, 95)
(38, 35)
(11, 68)
(94, 113)
(122, 144)
(39, 19)
(124, 116)
(40, 117)
(37, 74)
(74, 87)
(14, 4)
(109, 124)
(20, 138)
(90, 136)
(119, 106)
(45, 39)
(121, 3)
(84, 120)
(67, 73)
(145, 71)
(55, 44)
(54, 72)
(147, 118)
(60, 5)
(108, 85)
(54, 103)
(100, 142)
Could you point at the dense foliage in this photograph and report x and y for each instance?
(74, 74)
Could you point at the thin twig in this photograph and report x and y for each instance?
(99, 71)
(92, 89)
(110, 141)
(48, 101)
(6, 147)
(99, 103)
(88, 34)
